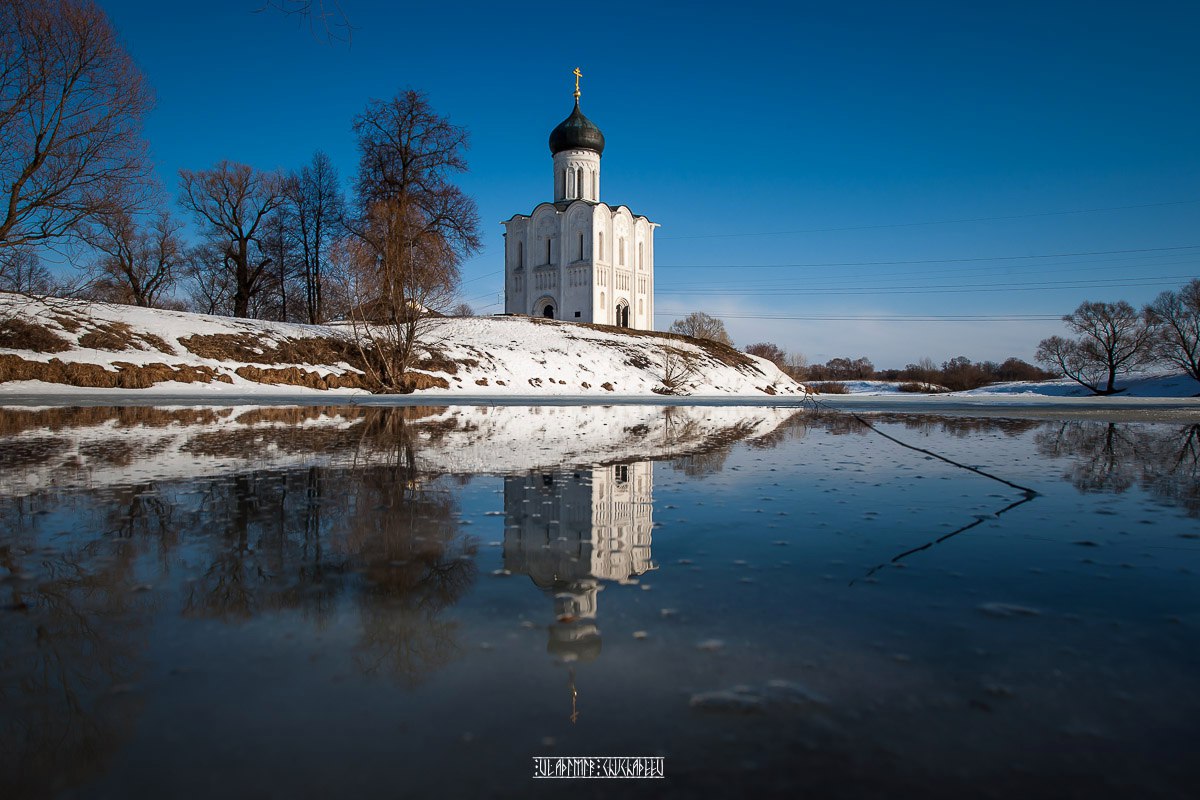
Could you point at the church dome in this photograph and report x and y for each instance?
(576, 132)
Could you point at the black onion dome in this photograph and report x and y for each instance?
(576, 132)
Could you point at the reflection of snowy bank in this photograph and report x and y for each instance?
(73, 447)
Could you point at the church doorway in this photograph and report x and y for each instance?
(548, 311)
(622, 315)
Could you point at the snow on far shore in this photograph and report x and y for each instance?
(473, 356)
(1157, 384)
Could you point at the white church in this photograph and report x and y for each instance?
(579, 259)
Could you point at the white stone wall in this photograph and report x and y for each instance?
(576, 175)
(578, 254)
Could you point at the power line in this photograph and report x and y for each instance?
(932, 222)
(1110, 283)
(1089, 266)
(927, 260)
(884, 318)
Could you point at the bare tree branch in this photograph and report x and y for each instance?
(71, 108)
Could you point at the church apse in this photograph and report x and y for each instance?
(571, 531)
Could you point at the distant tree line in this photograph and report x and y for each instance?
(958, 374)
(1110, 340)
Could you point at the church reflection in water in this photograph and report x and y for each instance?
(571, 531)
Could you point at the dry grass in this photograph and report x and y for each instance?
(94, 376)
(828, 387)
(116, 336)
(17, 334)
(294, 376)
(416, 381)
(119, 336)
(248, 348)
(16, 421)
(67, 322)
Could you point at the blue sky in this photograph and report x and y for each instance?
(804, 160)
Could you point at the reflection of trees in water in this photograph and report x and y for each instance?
(381, 537)
(707, 449)
(384, 536)
(1112, 457)
(70, 636)
(404, 534)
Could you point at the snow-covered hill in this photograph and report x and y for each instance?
(48, 346)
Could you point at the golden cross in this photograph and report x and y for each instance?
(577, 75)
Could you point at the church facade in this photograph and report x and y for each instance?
(577, 258)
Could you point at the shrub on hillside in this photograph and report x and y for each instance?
(918, 387)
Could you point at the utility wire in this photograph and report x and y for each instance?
(926, 260)
(917, 290)
(885, 318)
(933, 222)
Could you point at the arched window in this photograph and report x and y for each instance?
(602, 307)
(547, 249)
(600, 257)
(593, 195)
(579, 182)
(621, 251)
(640, 265)
(580, 246)
(520, 254)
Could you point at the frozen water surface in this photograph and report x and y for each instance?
(304, 602)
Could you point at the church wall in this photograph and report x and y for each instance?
(567, 168)
(577, 265)
(602, 271)
(516, 266)
(622, 269)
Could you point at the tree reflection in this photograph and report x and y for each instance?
(1112, 457)
(71, 638)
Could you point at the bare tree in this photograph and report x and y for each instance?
(208, 279)
(323, 17)
(462, 310)
(279, 297)
(771, 352)
(396, 280)
(797, 366)
(412, 230)
(676, 369)
(71, 108)
(138, 258)
(701, 326)
(1113, 340)
(1176, 318)
(317, 208)
(21, 271)
(230, 201)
